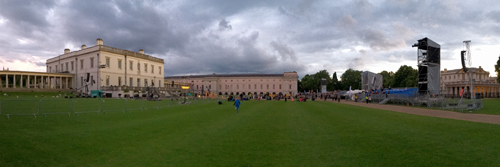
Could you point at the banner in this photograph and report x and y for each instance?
(462, 91)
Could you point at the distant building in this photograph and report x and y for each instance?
(103, 66)
(235, 84)
(453, 81)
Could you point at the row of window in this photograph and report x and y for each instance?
(243, 80)
(120, 81)
(250, 86)
(474, 76)
(65, 66)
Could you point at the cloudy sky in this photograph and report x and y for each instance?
(258, 36)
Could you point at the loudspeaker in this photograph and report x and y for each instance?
(462, 55)
(88, 77)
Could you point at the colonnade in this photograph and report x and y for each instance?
(11, 80)
(485, 91)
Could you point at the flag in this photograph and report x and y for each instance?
(462, 91)
(349, 91)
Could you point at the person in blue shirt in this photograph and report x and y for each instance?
(237, 104)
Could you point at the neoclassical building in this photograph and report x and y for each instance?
(453, 81)
(227, 84)
(101, 66)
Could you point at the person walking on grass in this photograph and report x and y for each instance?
(237, 104)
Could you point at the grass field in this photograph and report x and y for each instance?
(265, 133)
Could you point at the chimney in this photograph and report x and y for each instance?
(445, 70)
(141, 51)
(99, 41)
(84, 46)
(66, 51)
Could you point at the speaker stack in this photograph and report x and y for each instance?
(429, 70)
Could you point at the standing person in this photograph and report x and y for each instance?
(366, 96)
(236, 105)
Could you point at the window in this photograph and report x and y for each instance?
(145, 67)
(91, 62)
(107, 62)
(159, 83)
(249, 86)
(237, 86)
(152, 82)
(119, 81)
(131, 81)
(197, 87)
(159, 70)
(131, 63)
(209, 86)
(255, 86)
(67, 66)
(267, 86)
(152, 69)
(145, 82)
(120, 64)
(260, 86)
(81, 64)
(50, 69)
(91, 79)
(72, 65)
(57, 70)
(273, 86)
(81, 81)
(107, 80)
(138, 66)
(220, 86)
(62, 67)
(290, 86)
(280, 86)
(138, 82)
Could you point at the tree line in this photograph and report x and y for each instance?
(406, 76)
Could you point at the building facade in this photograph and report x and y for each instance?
(227, 84)
(453, 81)
(101, 66)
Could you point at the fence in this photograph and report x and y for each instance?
(440, 101)
(78, 106)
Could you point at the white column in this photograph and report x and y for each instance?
(28, 82)
(43, 83)
(21, 84)
(7, 80)
(14, 78)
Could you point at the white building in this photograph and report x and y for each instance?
(106, 66)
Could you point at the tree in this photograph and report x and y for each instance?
(313, 82)
(497, 69)
(388, 78)
(406, 76)
(351, 78)
(334, 83)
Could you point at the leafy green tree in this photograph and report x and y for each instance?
(497, 69)
(406, 76)
(334, 83)
(351, 78)
(388, 78)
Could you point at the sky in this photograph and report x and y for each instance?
(258, 36)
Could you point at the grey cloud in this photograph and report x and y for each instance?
(284, 50)
(380, 42)
(223, 24)
(356, 63)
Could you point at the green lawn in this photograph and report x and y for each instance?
(491, 106)
(265, 133)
